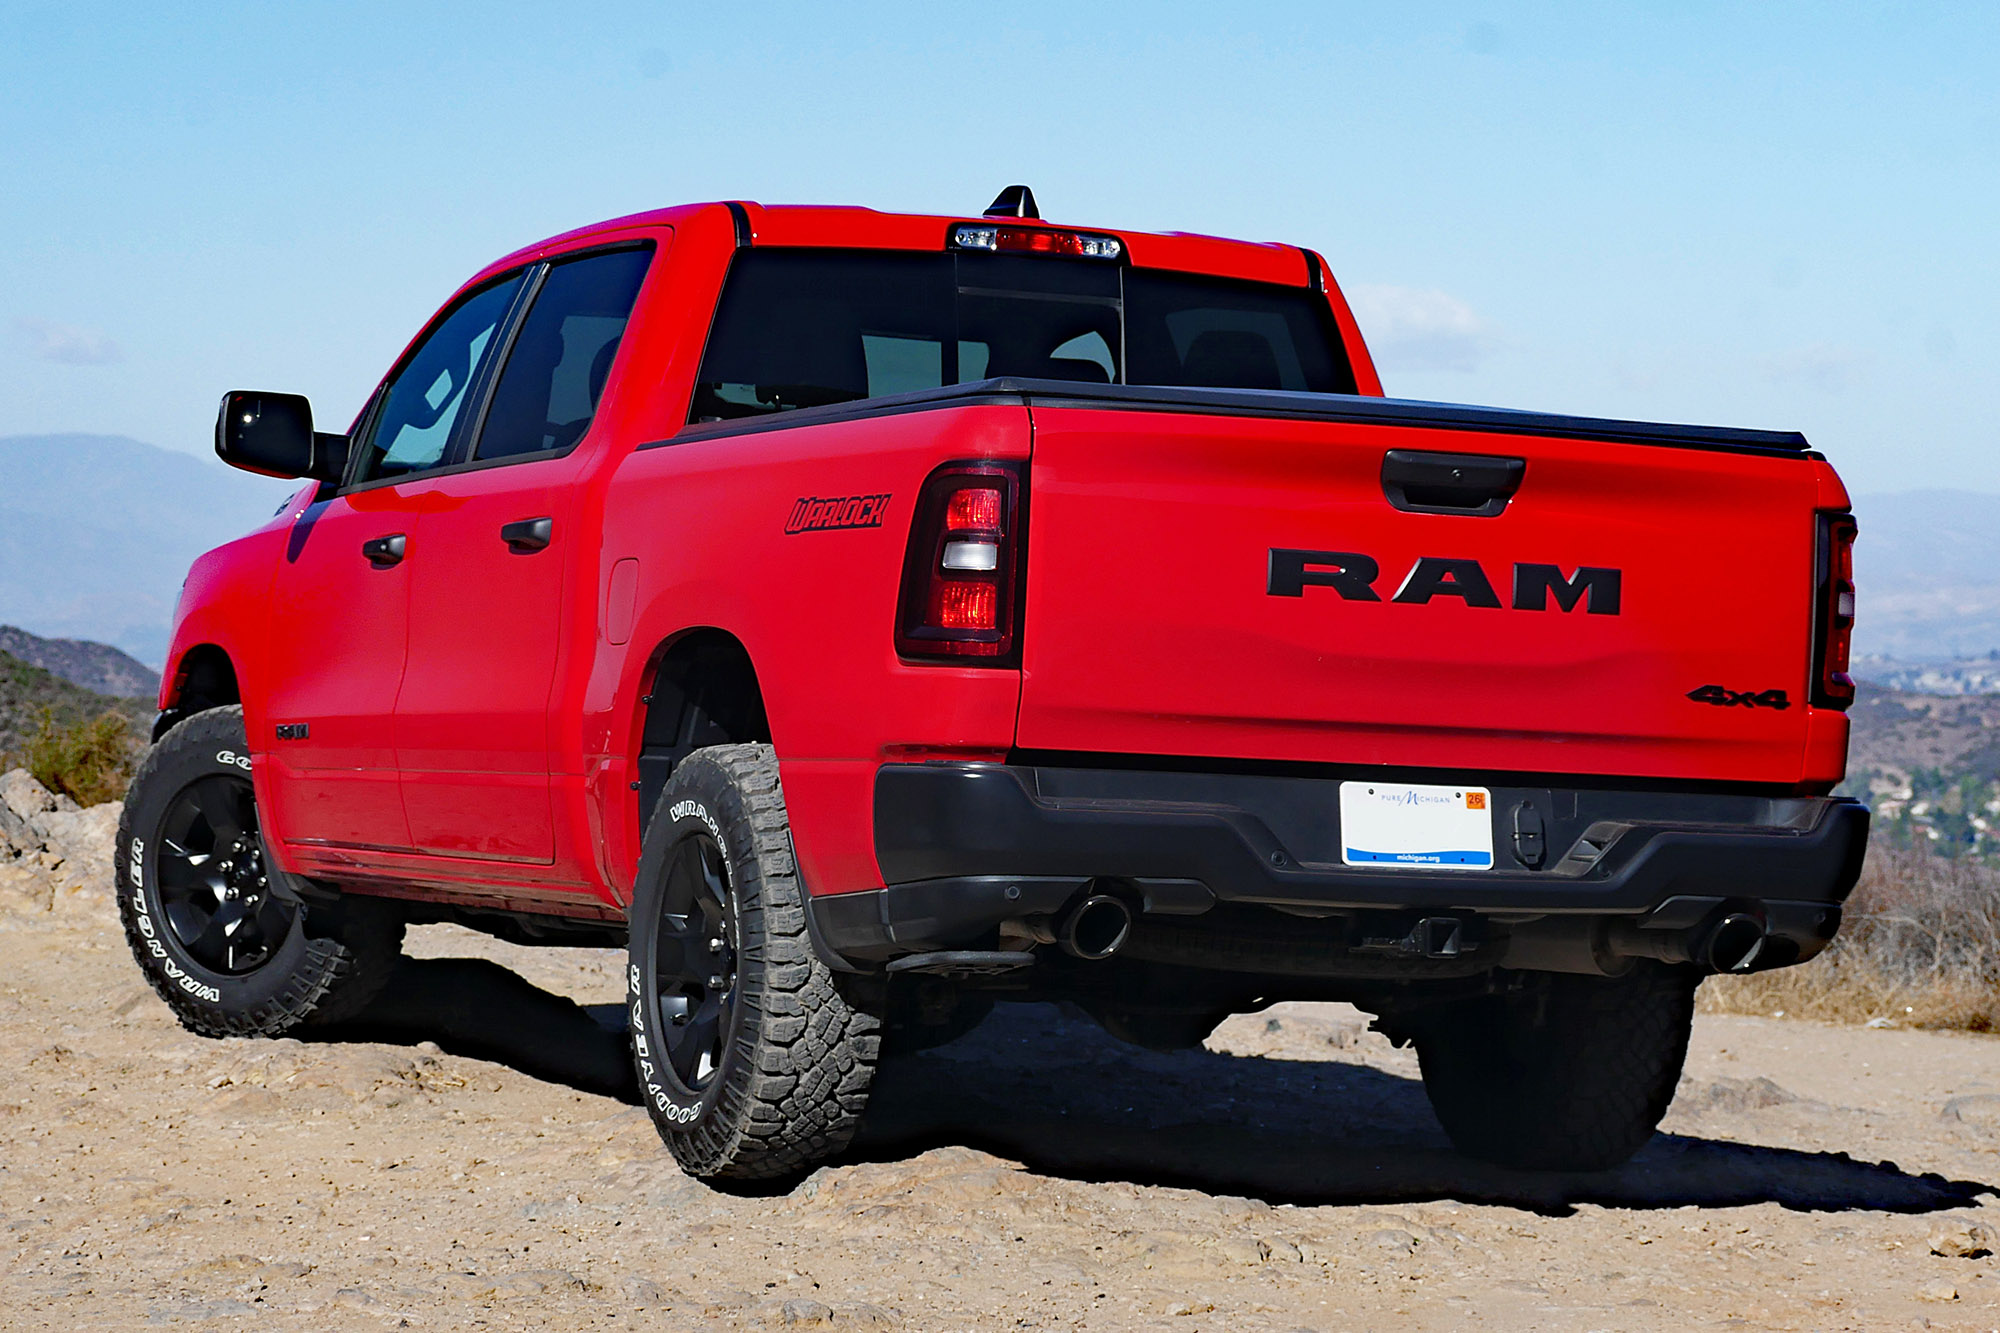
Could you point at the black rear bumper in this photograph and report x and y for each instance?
(966, 846)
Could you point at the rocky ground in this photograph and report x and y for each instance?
(470, 1157)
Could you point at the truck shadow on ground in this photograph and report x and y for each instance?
(1054, 1092)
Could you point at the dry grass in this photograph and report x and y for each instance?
(1920, 947)
(88, 761)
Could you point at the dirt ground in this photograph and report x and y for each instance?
(471, 1158)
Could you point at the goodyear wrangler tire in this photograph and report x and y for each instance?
(1571, 1074)
(224, 937)
(751, 1063)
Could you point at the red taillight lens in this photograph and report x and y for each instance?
(1833, 638)
(959, 604)
(974, 509)
(961, 579)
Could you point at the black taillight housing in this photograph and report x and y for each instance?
(961, 594)
(1833, 611)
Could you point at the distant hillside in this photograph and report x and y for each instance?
(26, 690)
(95, 666)
(1929, 584)
(97, 531)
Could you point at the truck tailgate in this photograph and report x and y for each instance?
(1191, 593)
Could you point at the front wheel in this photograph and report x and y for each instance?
(752, 1064)
(223, 935)
(1569, 1073)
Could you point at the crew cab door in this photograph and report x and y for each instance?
(495, 546)
(340, 605)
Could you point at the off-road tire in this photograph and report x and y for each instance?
(794, 1058)
(1571, 1073)
(331, 960)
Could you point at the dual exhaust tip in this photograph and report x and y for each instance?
(1100, 925)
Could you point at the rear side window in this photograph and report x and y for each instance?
(807, 328)
(556, 369)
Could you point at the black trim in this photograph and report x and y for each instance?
(740, 216)
(1315, 276)
(1327, 407)
(964, 846)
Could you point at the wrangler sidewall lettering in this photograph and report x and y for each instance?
(1596, 590)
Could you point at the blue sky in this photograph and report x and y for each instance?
(1771, 215)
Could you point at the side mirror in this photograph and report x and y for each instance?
(272, 434)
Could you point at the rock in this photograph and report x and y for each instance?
(1249, 1252)
(1976, 1113)
(1734, 1094)
(642, 1291)
(804, 1314)
(536, 1281)
(28, 798)
(1396, 1242)
(1937, 1291)
(1956, 1238)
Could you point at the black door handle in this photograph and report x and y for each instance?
(383, 552)
(529, 535)
(1477, 485)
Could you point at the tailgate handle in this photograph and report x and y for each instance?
(1476, 485)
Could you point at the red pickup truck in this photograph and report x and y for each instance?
(864, 617)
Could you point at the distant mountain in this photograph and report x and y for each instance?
(95, 666)
(1927, 574)
(26, 690)
(97, 531)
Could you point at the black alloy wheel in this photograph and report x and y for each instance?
(694, 963)
(751, 1059)
(225, 937)
(214, 892)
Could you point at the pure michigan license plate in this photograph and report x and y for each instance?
(1400, 824)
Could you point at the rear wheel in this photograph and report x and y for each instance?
(751, 1062)
(225, 937)
(1571, 1073)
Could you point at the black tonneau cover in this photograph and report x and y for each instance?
(1268, 403)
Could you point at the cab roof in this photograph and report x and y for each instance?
(847, 226)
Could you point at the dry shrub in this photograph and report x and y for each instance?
(1920, 947)
(88, 761)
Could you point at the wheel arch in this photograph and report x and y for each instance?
(702, 689)
(204, 678)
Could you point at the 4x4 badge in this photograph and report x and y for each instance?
(1722, 697)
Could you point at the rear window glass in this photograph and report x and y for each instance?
(807, 328)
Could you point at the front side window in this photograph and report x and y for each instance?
(808, 328)
(556, 370)
(426, 399)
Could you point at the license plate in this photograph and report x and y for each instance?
(1386, 825)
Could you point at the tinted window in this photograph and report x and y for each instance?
(804, 328)
(556, 370)
(1212, 333)
(423, 403)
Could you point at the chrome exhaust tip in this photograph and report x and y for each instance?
(1096, 928)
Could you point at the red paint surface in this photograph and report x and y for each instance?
(475, 714)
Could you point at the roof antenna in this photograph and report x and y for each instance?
(1016, 201)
